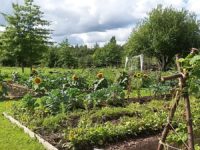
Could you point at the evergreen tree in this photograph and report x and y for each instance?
(109, 55)
(66, 58)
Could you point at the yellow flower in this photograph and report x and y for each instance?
(100, 75)
(74, 77)
(37, 80)
(139, 75)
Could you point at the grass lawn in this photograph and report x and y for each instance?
(13, 138)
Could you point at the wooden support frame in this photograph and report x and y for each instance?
(182, 76)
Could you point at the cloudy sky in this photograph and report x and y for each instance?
(91, 21)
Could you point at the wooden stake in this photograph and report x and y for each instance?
(189, 124)
(169, 121)
(129, 84)
(188, 115)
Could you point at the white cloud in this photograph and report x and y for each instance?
(100, 37)
(193, 6)
(90, 21)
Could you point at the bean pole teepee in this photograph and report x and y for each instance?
(182, 76)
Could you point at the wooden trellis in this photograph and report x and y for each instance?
(182, 76)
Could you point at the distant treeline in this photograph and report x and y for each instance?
(66, 55)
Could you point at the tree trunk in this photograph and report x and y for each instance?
(163, 62)
(31, 65)
(22, 65)
(31, 68)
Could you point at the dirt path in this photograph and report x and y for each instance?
(145, 143)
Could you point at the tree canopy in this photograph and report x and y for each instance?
(164, 33)
(110, 54)
(26, 37)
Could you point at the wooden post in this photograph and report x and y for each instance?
(169, 121)
(188, 114)
(129, 84)
(171, 77)
(189, 123)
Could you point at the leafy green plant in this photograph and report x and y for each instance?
(28, 102)
(3, 89)
(53, 122)
(101, 82)
(197, 147)
(53, 101)
(137, 82)
(162, 88)
(123, 79)
(192, 64)
(78, 82)
(15, 76)
(180, 136)
(73, 98)
(113, 95)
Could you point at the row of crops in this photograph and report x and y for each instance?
(89, 81)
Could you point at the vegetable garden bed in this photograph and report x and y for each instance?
(98, 127)
(75, 112)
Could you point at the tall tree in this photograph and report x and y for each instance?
(166, 32)
(110, 54)
(51, 58)
(26, 36)
(66, 58)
